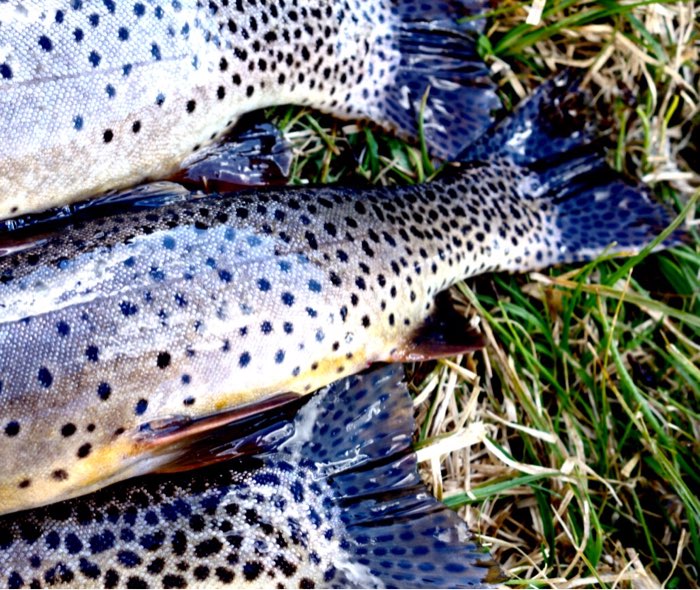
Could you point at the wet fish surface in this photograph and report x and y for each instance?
(337, 502)
(120, 334)
(97, 95)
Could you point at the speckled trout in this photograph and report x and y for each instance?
(102, 94)
(121, 333)
(336, 502)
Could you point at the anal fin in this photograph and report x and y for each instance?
(445, 332)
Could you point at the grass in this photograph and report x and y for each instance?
(571, 442)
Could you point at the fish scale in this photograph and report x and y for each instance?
(117, 330)
(96, 95)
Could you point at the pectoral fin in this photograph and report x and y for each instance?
(193, 443)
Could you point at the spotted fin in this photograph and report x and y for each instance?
(258, 155)
(556, 118)
(555, 137)
(446, 332)
(439, 55)
(358, 434)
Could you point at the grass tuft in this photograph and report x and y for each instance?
(571, 443)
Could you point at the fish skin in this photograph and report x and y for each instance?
(165, 313)
(105, 94)
(335, 502)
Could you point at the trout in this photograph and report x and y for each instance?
(124, 334)
(103, 94)
(336, 502)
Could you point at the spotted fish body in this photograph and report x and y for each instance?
(117, 330)
(337, 503)
(102, 94)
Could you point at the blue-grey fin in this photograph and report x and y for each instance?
(438, 53)
(358, 433)
(145, 196)
(598, 211)
(258, 155)
(555, 118)
(554, 134)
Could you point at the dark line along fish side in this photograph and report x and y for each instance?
(115, 331)
(337, 503)
(96, 95)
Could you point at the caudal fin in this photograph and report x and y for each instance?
(358, 435)
(436, 54)
(550, 150)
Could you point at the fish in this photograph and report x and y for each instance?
(125, 336)
(335, 502)
(104, 94)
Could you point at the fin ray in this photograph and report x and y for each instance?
(439, 55)
(358, 434)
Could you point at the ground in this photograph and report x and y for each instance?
(571, 443)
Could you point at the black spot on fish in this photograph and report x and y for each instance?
(128, 309)
(12, 428)
(45, 43)
(104, 391)
(92, 353)
(244, 360)
(224, 574)
(108, 135)
(251, 570)
(84, 450)
(163, 360)
(141, 407)
(45, 377)
(201, 573)
(68, 429)
(208, 548)
(59, 475)
(111, 579)
(6, 71)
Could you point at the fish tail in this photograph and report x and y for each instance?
(553, 143)
(437, 53)
(358, 436)
(558, 117)
(596, 211)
